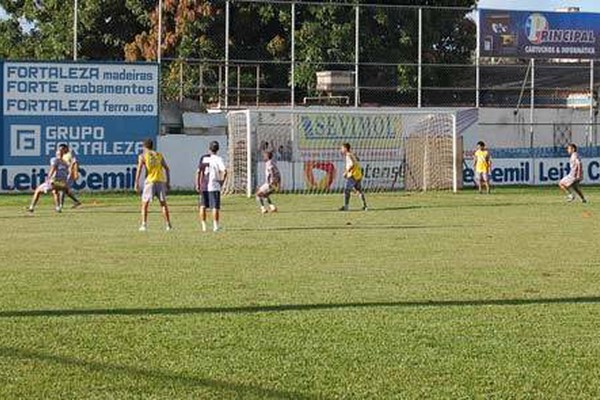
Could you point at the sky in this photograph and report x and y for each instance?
(541, 5)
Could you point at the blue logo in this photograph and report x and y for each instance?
(25, 140)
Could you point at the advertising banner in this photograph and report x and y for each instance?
(536, 34)
(102, 111)
(374, 136)
(540, 171)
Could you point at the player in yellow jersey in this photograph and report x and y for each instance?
(157, 182)
(353, 174)
(70, 158)
(482, 164)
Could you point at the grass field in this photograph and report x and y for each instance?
(424, 296)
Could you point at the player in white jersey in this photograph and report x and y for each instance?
(210, 176)
(271, 185)
(56, 181)
(570, 183)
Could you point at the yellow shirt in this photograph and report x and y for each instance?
(482, 165)
(70, 159)
(153, 161)
(353, 167)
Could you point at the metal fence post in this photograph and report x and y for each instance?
(356, 54)
(532, 118)
(159, 38)
(75, 28)
(201, 82)
(239, 84)
(591, 139)
(257, 85)
(227, 15)
(420, 60)
(181, 94)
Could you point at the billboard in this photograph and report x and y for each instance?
(537, 34)
(102, 111)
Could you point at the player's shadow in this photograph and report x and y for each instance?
(170, 378)
(347, 227)
(409, 207)
(254, 309)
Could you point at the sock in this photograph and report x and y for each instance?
(204, 225)
(215, 225)
(363, 199)
(346, 198)
(72, 197)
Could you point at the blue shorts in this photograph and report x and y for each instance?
(352, 183)
(210, 200)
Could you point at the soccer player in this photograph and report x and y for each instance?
(70, 158)
(158, 178)
(570, 183)
(271, 185)
(56, 181)
(482, 164)
(210, 176)
(353, 174)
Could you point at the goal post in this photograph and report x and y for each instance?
(414, 150)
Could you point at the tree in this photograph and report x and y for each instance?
(43, 29)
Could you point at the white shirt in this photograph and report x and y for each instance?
(214, 171)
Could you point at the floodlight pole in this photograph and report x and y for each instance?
(420, 60)
(75, 28)
(159, 38)
(356, 54)
(477, 61)
(293, 57)
(227, 11)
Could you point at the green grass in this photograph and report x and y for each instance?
(425, 296)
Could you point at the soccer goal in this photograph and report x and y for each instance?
(398, 150)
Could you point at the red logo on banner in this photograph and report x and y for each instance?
(325, 182)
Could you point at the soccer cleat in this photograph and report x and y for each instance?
(264, 210)
(58, 209)
(584, 201)
(30, 210)
(273, 208)
(570, 198)
(76, 205)
(169, 228)
(342, 209)
(143, 228)
(218, 229)
(365, 208)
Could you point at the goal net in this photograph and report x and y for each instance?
(411, 150)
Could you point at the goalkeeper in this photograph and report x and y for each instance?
(353, 174)
(273, 180)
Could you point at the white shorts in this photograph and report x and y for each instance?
(154, 189)
(266, 189)
(569, 181)
(54, 185)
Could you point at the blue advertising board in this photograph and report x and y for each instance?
(102, 111)
(537, 34)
